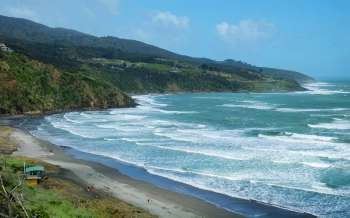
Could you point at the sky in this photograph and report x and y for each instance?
(309, 36)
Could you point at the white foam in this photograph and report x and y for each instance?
(148, 100)
(251, 105)
(66, 117)
(197, 135)
(173, 112)
(206, 153)
(297, 110)
(319, 89)
(151, 169)
(295, 137)
(282, 162)
(148, 103)
(75, 131)
(338, 124)
(127, 117)
(316, 164)
(116, 157)
(299, 136)
(110, 139)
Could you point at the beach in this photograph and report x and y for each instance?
(155, 200)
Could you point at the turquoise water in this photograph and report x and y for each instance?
(288, 149)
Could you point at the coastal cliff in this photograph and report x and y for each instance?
(32, 87)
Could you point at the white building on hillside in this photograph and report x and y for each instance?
(3, 47)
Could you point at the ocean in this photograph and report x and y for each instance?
(291, 150)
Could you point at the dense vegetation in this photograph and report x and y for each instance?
(55, 197)
(29, 86)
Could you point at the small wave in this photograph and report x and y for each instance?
(206, 153)
(287, 136)
(148, 103)
(148, 100)
(110, 139)
(318, 89)
(65, 116)
(151, 169)
(316, 164)
(76, 132)
(120, 128)
(296, 110)
(85, 115)
(198, 135)
(173, 112)
(68, 127)
(311, 164)
(260, 106)
(338, 124)
(116, 157)
(127, 117)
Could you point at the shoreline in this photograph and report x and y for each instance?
(157, 201)
(193, 202)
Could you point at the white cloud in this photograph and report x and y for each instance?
(111, 5)
(169, 19)
(163, 29)
(21, 12)
(88, 11)
(245, 31)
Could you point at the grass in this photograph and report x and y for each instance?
(156, 67)
(59, 195)
(31, 87)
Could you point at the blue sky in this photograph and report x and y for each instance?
(311, 36)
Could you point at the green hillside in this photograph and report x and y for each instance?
(139, 73)
(29, 86)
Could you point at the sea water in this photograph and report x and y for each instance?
(287, 149)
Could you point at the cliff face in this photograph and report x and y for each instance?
(29, 86)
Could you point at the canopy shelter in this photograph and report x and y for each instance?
(34, 174)
(33, 169)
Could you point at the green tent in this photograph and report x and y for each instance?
(34, 169)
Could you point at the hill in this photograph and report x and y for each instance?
(138, 73)
(29, 86)
(55, 69)
(21, 29)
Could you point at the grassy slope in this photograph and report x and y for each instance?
(135, 72)
(28, 86)
(161, 75)
(59, 197)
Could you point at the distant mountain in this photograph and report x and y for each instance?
(18, 28)
(29, 31)
(287, 74)
(273, 72)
